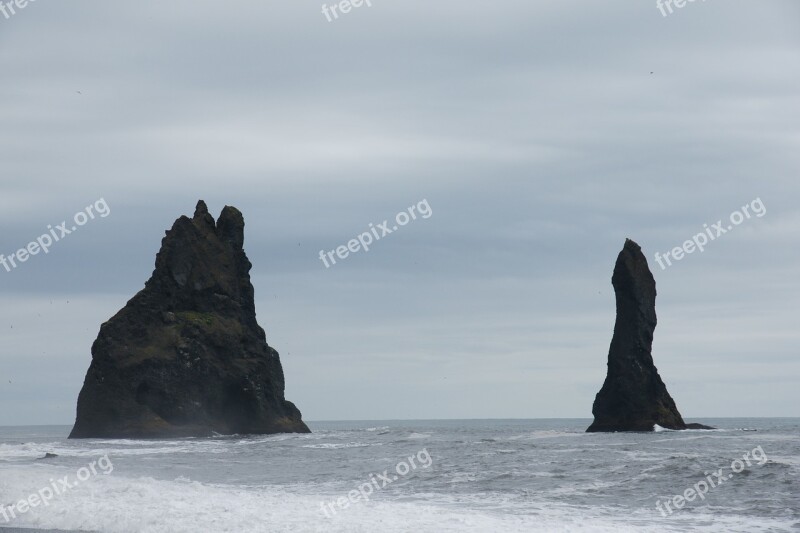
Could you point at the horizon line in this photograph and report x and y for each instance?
(458, 419)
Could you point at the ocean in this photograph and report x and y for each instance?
(411, 476)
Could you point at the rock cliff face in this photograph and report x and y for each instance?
(185, 356)
(633, 396)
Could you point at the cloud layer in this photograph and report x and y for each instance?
(542, 135)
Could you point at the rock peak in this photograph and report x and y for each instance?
(186, 356)
(230, 226)
(630, 244)
(202, 217)
(201, 209)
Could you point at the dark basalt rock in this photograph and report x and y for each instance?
(47, 455)
(633, 396)
(185, 356)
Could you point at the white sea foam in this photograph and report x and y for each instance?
(546, 434)
(37, 450)
(116, 504)
(341, 445)
(124, 447)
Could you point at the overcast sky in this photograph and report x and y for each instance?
(541, 134)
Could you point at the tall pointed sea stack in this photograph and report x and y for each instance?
(185, 356)
(633, 397)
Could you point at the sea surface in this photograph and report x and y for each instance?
(465, 476)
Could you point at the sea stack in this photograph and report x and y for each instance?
(186, 357)
(633, 396)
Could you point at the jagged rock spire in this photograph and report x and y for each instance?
(186, 356)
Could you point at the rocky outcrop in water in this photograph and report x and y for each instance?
(185, 356)
(633, 396)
